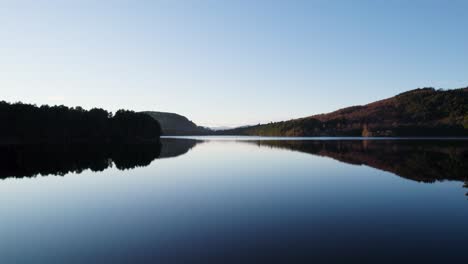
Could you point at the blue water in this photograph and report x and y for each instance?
(249, 201)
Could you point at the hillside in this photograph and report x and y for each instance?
(419, 112)
(174, 124)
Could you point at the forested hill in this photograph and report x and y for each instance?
(25, 123)
(420, 112)
(175, 124)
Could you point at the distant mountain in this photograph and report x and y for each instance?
(174, 124)
(419, 112)
(217, 128)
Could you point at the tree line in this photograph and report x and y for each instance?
(27, 123)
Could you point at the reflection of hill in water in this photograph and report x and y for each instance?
(172, 147)
(418, 160)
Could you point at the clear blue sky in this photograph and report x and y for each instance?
(229, 62)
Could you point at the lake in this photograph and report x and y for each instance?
(236, 200)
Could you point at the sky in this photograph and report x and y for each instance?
(228, 63)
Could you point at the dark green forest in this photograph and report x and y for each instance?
(26, 123)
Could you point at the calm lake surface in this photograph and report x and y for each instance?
(236, 200)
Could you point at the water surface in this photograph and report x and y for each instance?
(236, 200)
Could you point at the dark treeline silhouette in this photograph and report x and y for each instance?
(26, 123)
(30, 160)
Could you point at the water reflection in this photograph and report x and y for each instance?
(172, 147)
(422, 161)
(234, 202)
(20, 161)
(417, 160)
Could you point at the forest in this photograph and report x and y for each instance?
(27, 123)
(423, 112)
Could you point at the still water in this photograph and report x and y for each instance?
(236, 200)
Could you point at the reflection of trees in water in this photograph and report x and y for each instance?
(418, 160)
(56, 159)
(31, 160)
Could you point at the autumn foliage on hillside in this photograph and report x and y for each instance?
(420, 112)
